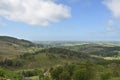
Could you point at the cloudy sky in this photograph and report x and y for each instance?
(89, 20)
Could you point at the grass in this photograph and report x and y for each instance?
(112, 58)
(115, 78)
(107, 58)
(34, 78)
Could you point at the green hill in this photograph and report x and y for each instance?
(10, 47)
(11, 40)
(21, 59)
(96, 49)
(31, 55)
(52, 56)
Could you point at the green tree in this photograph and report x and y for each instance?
(106, 76)
(2, 72)
(84, 71)
(56, 72)
(65, 76)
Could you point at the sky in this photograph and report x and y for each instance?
(56, 20)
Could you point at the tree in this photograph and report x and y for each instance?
(106, 76)
(84, 72)
(56, 72)
(65, 76)
(80, 75)
(2, 73)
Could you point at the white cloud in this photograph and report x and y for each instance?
(113, 6)
(34, 12)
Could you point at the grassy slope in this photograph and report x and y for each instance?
(11, 47)
(44, 61)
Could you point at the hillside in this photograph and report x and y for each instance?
(12, 40)
(30, 55)
(96, 49)
(36, 55)
(21, 59)
(10, 47)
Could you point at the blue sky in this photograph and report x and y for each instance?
(89, 20)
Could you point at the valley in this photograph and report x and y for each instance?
(58, 60)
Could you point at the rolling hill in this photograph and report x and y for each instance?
(10, 47)
(33, 55)
(21, 59)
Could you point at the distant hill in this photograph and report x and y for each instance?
(96, 49)
(10, 46)
(12, 40)
(49, 57)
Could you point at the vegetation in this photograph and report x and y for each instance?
(25, 60)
